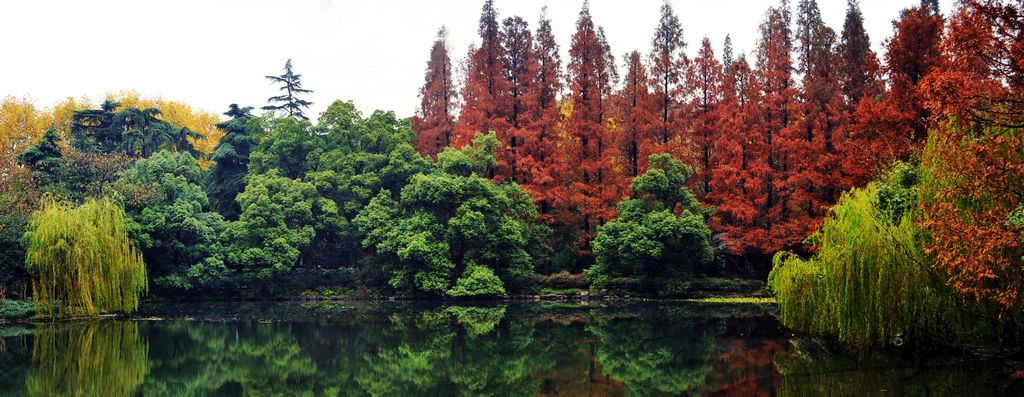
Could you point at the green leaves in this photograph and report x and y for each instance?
(659, 234)
(453, 232)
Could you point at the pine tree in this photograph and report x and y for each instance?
(485, 94)
(289, 102)
(855, 54)
(434, 122)
(231, 161)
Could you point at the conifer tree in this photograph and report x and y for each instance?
(707, 90)
(595, 187)
(434, 122)
(231, 161)
(668, 68)
(485, 94)
(289, 102)
(636, 108)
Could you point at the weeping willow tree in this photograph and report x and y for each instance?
(103, 358)
(81, 260)
(871, 281)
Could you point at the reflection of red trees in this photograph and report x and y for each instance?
(578, 374)
(745, 368)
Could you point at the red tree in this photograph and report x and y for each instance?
(486, 103)
(540, 162)
(808, 147)
(976, 153)
(706, 83)
(595, 187)
(435, 121)
(740, 175)
(775, 75)
(520, 73)
(895, 128)
(635, 115)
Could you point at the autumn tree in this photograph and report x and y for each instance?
(863, 92)
(974, 208)
(635, 116)
(595, 186)
(289, 102)
(541, 162)
(520, 73)
(706, 83)
(740, 176)
(808, 152)
(895, 128)
(434, 122)
(775, 75)
(485, 93)
(668, 74)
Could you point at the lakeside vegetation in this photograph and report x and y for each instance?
(889, 191)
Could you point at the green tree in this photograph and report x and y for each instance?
(453, 232)
(231, 160)
(166, 204)
(45, 158)
(658, 234)
(280, 217)
(289, 102)
(81, 260)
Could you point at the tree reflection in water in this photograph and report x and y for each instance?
(514, 350)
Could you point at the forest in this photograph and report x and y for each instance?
(880, 195)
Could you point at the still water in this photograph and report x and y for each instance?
(415, 349)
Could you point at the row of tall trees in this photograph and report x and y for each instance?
(772, 140)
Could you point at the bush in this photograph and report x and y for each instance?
(11, 309)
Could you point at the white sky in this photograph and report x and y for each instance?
(212, 53)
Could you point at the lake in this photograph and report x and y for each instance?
(433, 349)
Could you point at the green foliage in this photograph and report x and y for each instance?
(13, 275)
(477, 280)
(180, 241)
(870, 282)
(16, 309)
(102, 358)
(279, 219)
(453, 231)
(659, 234)
(132, 131)
(44, 159)
(231, 160)
(81, 260)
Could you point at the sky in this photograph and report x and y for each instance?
(211, 53)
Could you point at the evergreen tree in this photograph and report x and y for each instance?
(44, 159)
(231, 161)
(855, 54)
(289, 102)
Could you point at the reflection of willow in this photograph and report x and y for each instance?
(105, 358)
(460, 351)
(654, 358)
(814, 371)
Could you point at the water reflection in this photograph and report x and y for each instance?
(404, 350)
